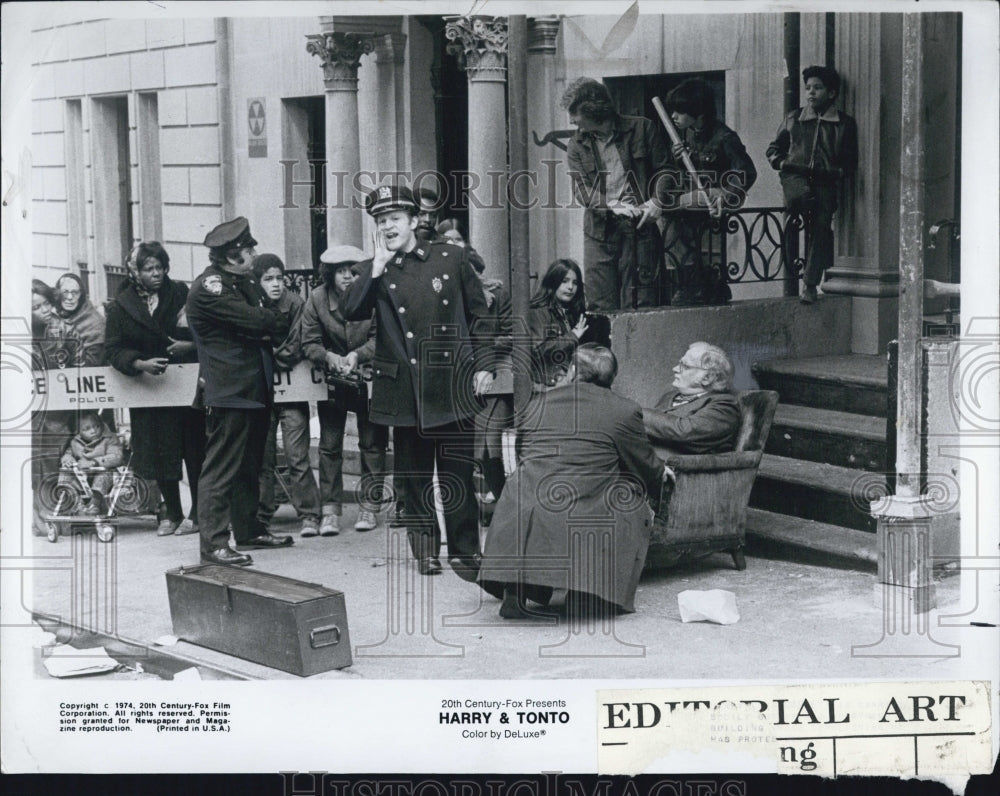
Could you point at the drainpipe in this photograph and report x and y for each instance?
(227, 165)
(910, 525)
(790, 42)
(911, 261)
(517, 137)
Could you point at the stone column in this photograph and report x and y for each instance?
(866, 258)
(390, 50)
(544, 114)
(340, 55)
(480, 43)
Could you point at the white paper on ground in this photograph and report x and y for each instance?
(716, 605)
(66, 661)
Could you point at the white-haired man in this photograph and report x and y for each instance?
(700, 414)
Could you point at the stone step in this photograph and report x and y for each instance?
(773, 535)
(854, 383)
(816, 491)
(826, 435)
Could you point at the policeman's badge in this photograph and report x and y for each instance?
(437, 284)
(213, 284)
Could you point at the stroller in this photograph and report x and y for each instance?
(73, 506)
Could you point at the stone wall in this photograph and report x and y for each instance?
(649, 344)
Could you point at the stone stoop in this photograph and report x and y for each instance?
(825, 459)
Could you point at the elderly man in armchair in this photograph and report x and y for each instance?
(700, 414)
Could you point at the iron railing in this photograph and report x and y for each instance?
(749, 245)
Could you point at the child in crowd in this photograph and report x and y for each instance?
(341, 347)
(294, 417)
(814, 149)
(94, 448)
(726, 172)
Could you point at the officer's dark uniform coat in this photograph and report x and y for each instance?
(234, 332)
(423, 371)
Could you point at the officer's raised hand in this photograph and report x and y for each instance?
(382, 254)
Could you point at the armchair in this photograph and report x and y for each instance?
(705, 511)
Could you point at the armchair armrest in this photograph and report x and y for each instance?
(710, 462)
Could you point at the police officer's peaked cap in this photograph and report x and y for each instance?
(390, 197)
(233, 234)
(340, 253)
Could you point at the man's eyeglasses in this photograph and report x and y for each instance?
(688, 366)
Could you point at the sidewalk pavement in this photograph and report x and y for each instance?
(797, 621)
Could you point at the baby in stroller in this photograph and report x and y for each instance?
(89, 463)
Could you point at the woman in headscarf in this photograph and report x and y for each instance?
(146, 333)
(79, 326)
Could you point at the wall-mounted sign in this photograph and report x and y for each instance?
(257, 127)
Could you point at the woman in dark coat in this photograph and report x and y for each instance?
(556, 321)
(147, 332)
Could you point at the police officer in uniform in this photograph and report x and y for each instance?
(233, 324)
(428, 302)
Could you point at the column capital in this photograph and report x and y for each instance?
(542, 35)
(480, 44)
(390, 48)
(340, 55)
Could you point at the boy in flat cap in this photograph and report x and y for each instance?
(233, 324)
(428, 302)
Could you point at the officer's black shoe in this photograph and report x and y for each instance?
(265, 542)
(398, 517)
(466, 567)
(429, 566)
(228, 556)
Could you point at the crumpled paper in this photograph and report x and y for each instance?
(716, 605)
(66, 661)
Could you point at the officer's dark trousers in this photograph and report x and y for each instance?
(451, 448)
(229, 488)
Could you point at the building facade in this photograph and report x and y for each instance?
(161, 129)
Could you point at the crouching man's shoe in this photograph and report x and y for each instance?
(429, 566)
(265, 542)
(466, 567)
(226, 555)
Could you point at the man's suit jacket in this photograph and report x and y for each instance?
(706, 424)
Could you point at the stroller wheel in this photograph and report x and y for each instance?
(51, 532)
(105, 531)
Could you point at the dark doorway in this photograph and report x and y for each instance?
(304, 144)
(633, 95)
(451, 121)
